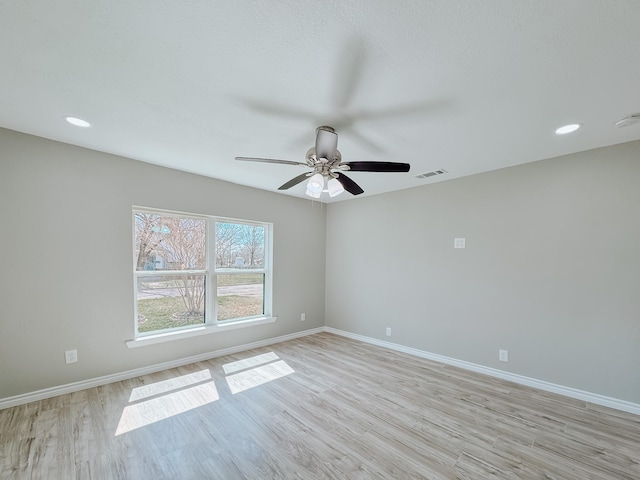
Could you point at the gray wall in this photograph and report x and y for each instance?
(551, 271)
(66, 267)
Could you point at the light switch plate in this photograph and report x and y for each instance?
(459, 242)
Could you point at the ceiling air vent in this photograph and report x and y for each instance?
(431, 174)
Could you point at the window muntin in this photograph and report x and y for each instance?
(191, 271)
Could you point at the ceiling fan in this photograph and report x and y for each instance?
(327, 167)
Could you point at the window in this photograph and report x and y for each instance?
(192, 270)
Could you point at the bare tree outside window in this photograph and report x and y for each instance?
(252, 241)
(227, 235)
(239, 245)
(168, 243)
(146, 239)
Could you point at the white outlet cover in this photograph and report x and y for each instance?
(459, 242)
(71, 356)
(503, 355)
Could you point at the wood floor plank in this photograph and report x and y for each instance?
(317, 407)
(545, 463)
(584, 451)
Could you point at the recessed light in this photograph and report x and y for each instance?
(572, 127)
(78, 122)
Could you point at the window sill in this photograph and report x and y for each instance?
(197, 331)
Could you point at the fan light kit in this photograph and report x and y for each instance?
(315, 185)
(327, 167)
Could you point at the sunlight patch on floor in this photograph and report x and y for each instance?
(249, 362)
(161, 400)
(160, 408)
(158, 388)
(254, 377)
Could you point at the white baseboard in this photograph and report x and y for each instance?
(595, 398)
(116, 377)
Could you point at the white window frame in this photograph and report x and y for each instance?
(211, 324)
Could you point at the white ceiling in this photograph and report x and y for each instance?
(466, 86)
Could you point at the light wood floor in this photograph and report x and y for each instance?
(321, 406)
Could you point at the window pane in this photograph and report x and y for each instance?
(240, 295)
(239, 245)
(170, 301)
(165, 242)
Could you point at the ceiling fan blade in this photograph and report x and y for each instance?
(349, 72)
(377, 166)
(349, 185)
(404, 110)
(294, 181)
(364, 140)
(280, 110)
(270, 160)
(326, 143)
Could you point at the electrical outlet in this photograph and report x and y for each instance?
(388, 331)
(503, 355)
(303, 317)
(71, 356)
